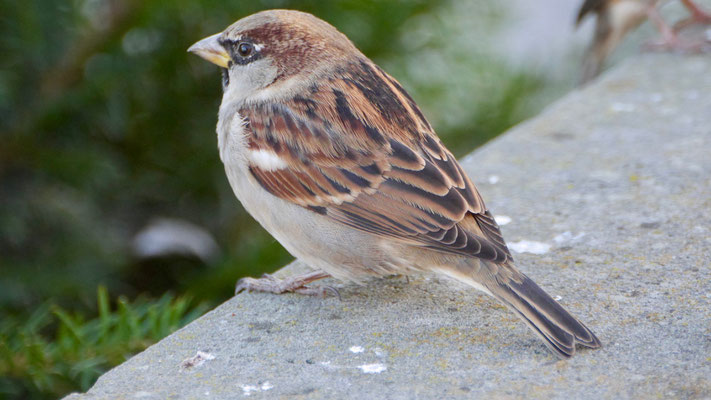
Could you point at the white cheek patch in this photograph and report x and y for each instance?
(266, 160)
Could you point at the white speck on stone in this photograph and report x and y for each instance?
(502, 219)
(494, 179)
(692, 95)
(197, 360)
(568, 236)
(530, 246)
(667, 110)
(557, 298)
(687, 120)
(247, 390)
(143, 394)
(622, 107)
(373, 368)
(656, 97)
(699, 229)
(356, 349)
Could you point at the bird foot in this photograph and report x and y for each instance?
(698, 17)
(678, 44)
(671, 40)
(294, 284)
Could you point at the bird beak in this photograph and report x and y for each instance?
(211, 50)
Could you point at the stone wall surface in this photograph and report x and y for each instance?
(607, 195)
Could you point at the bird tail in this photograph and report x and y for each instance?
(557, 327)
(559, 330)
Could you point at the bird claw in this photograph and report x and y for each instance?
(333, 291)
(294, 284)
(320, 291)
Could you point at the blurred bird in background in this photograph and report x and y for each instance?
(615, 18)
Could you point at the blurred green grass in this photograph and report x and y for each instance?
(107, 123)
(36, 365)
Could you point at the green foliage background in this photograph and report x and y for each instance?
(106, 123)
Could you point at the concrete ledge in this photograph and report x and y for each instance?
(616, 179)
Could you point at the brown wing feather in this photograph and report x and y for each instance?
(359, 151)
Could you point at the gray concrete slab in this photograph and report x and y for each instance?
(614, 184)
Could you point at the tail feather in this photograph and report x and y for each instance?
(558, 328)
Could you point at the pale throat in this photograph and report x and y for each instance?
(232, 142)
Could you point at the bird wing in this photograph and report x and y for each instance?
(359, 151)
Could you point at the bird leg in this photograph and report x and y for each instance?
(670, 40)
(698, 16)
(295, 284)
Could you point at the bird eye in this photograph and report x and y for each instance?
(244, 49)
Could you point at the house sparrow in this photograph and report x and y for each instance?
(615, 18)
(333, 157)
